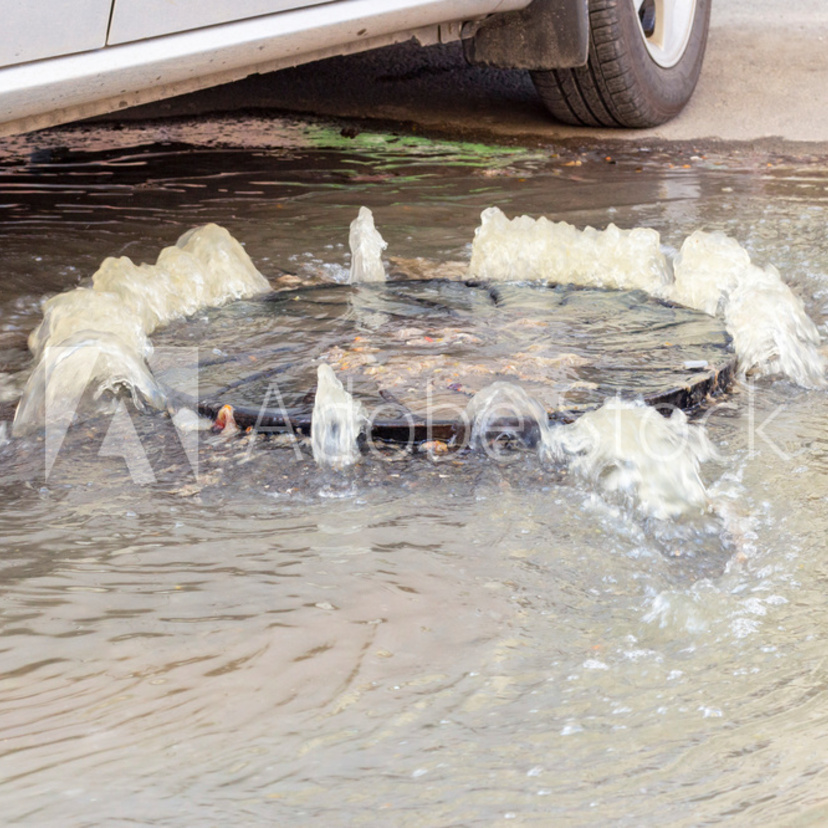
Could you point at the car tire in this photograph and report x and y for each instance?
(645, 57)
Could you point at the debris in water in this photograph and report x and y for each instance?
(423, 268)
(187, 420)
(225, 421)
(435, 448)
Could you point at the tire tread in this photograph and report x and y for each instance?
(607, 91)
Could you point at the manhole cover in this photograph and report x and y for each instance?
(415, 352)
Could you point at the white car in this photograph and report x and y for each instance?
(630, 63)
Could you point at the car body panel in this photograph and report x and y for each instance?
(43, 93)
(140, 19)
(36, 29)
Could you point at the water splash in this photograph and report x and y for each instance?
(337, 421)
(626, 448)
(706, 270)
(527, 249)
(629, 449)
(206, 267)
(366, 249)
(77, 375)
(92, 313)
(772, 333)
(95, 340)
(505, 410)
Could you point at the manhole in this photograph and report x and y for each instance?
(415, 352)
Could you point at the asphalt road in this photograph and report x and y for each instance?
(765, 79)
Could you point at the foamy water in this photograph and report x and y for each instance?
(629, 449)
(97, 339)
(366, 245)
(527, 249)
(771, 331)
(625, 449)
(453, 640)
(337, 422)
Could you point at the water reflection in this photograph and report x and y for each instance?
(438, 642)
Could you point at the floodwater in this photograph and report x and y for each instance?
(236, 636)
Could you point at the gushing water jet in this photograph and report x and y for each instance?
(337, 422)
(504, 410)
(629, 448)
(366, 250)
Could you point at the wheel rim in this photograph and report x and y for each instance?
(665, 26)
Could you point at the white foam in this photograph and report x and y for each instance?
(76, 373)
(531, 250)
(206, 267)
(772, 333)
(707, 268)
(336, 423)
(624, 447)
(629, 448)
(713, 273)
(366, 249)
(99, 335)
(89, 312)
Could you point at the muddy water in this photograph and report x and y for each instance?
(411, 642)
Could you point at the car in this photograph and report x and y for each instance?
(616, 63)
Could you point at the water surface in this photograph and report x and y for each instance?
(455, 641)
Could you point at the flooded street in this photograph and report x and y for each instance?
(233, 634)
